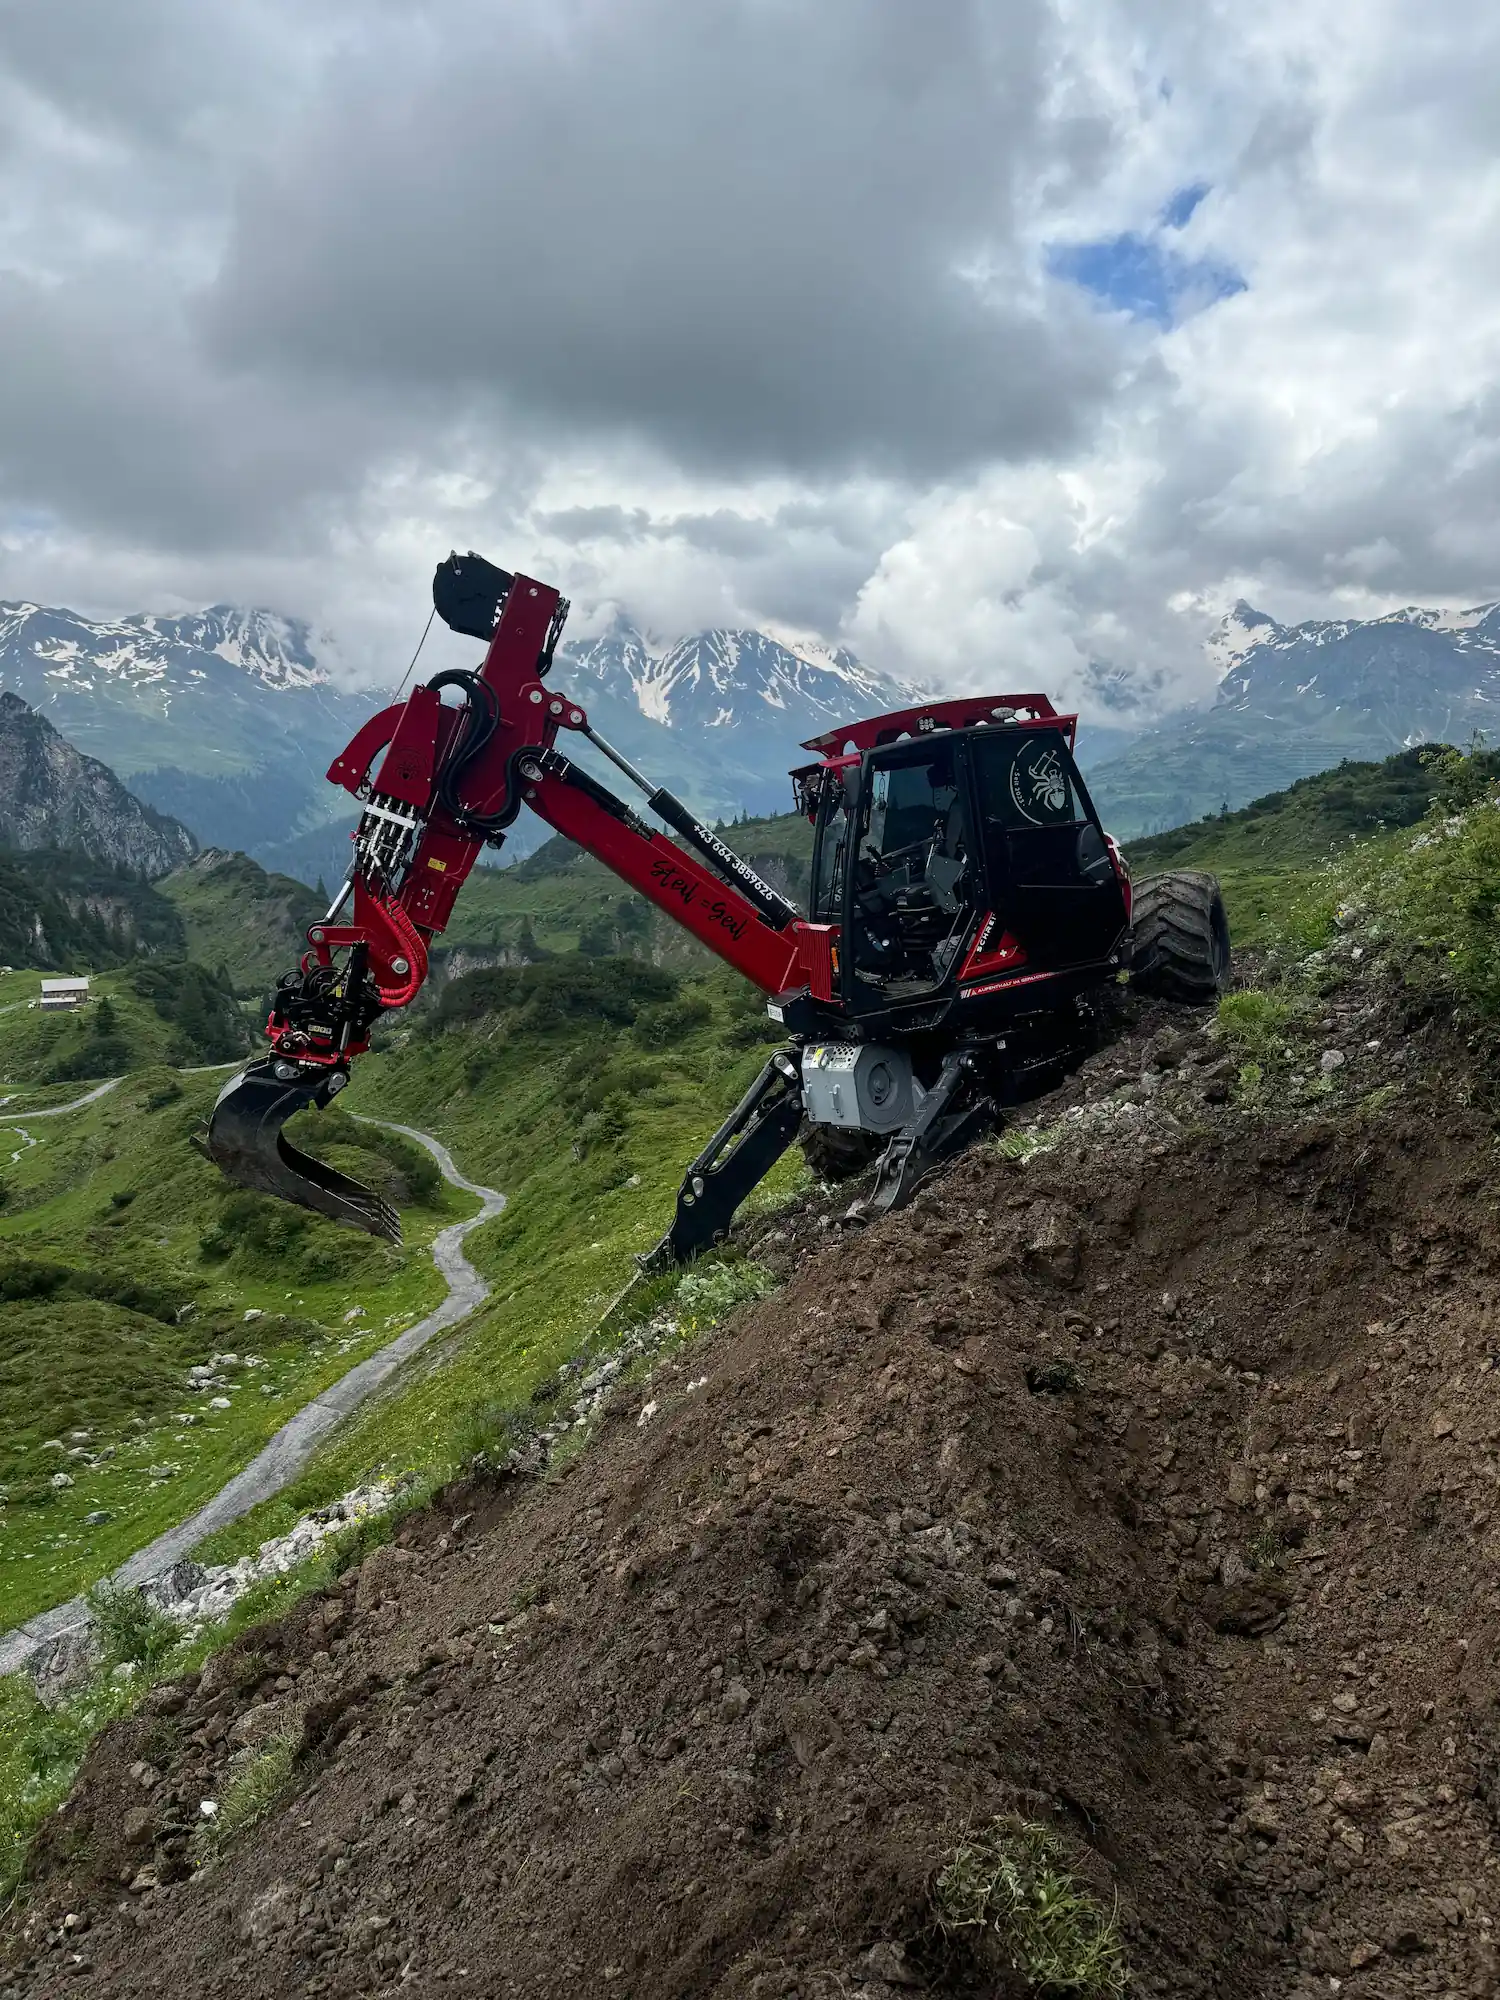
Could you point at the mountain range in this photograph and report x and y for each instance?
(226, 719)
(1295, 699)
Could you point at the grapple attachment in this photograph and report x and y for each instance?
(246, 1143)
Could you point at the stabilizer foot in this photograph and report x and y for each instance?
(943, 1127)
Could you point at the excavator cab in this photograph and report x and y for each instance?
(923, 842)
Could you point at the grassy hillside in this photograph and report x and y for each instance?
(147, 1011)
(245, 923)
(1258, 850)
(124, 1260)
(581, 1085)
(1193, 765)
(560, 897)
(68, 913)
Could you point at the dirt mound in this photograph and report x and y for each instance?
(1145, 1490)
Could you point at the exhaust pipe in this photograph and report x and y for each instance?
(246, 1143)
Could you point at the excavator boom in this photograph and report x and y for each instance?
(439, 781)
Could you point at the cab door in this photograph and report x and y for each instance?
(1051, 880)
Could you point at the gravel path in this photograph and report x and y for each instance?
(279, 1462)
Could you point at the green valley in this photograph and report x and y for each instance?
(125, 1260)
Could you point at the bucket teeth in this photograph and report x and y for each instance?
(246, 1143)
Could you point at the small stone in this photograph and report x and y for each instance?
(1331, 1060)
(161, 1472)
(219, 1403)
(59, 1480)
(1241, 1485)
(255, 1312)
(138, 1827)
(1345, 1702)
(1442, 1426)
(735, 1702)
(1363, 1954)
(887, 1961)
(142, 1880)
(98, 1518)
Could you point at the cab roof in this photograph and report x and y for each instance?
(1024, 711)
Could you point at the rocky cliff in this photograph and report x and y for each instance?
(51, 795)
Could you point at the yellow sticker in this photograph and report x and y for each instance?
(433, 862)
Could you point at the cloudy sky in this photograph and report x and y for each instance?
(984, 335)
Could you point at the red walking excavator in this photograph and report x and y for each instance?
(967, 912)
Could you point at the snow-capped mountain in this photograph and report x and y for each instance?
(223, 718)
(143, 650)
(1408, 656)
(735, 682)
(1294, 699)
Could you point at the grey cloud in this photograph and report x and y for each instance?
(162, 71)
(110, 420)
(754, 234)
(586, 524)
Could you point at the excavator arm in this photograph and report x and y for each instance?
(438, 781)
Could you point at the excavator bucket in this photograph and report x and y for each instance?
(246, 1143)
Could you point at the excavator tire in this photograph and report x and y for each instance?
(1179, 938)
(835, 1153)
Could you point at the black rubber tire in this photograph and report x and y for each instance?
(835, 1153)
(1179, 938)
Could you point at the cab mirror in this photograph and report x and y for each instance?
(852, 788)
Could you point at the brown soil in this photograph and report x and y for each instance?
(1145, 1489)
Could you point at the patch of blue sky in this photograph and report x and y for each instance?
(1144, 276)
(1179, 208)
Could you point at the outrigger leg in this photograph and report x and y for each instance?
(736, 1159)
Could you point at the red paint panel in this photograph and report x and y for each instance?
(715, 914)
(349, 767)
(989, 953)
(411, 762)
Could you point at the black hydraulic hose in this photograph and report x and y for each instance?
(481, 720)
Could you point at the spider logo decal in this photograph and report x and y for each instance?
(1039, 785)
